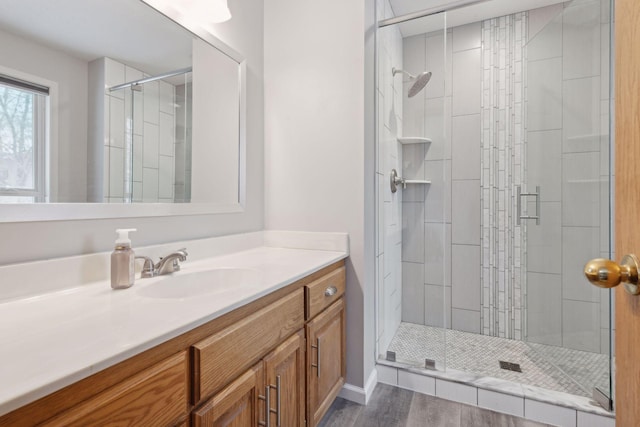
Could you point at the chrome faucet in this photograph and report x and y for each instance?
(167, 264)
(148, 269)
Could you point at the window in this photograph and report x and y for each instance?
(23, 136)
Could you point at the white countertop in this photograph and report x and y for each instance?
(55, 339)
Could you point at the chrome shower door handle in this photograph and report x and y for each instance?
(518, 204)
(519, 197)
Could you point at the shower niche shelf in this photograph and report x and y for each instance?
(413, 140)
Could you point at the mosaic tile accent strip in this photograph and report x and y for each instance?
(502, 165)
(552, 368)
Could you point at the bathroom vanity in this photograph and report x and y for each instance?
(270, 355)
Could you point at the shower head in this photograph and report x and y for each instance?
(419, 81)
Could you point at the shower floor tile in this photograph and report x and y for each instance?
(587, 369)
(549, 367)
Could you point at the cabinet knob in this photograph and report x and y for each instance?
(330, 291)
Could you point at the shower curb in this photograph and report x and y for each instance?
(529, 402)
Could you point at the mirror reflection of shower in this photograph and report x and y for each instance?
(155, 164)
(419, 81)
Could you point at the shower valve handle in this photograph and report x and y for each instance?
(605, 273)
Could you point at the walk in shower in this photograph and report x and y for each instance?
(501, 166)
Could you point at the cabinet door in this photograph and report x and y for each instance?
(325, 360)
(237, 405)
(285, 375)
(156, 396)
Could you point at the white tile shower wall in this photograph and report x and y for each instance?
(148, 119)
(390, 297)
(453, 96)
(464, 140)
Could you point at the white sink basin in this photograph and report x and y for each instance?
(207, 282)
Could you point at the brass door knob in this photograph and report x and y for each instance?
(605, 273)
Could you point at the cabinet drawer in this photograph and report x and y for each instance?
(323, 292)
(156, 396)
(225, 355)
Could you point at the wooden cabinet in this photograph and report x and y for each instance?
(224, 372)
(325, 360)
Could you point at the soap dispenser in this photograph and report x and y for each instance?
(123, 268)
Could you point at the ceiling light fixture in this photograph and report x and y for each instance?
(202, 12)
(212, 11)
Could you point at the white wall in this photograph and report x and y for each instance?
(40, 240)
(70, 74)
(315, 142)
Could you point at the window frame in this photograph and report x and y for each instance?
(42, 136)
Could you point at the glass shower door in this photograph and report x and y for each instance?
(564, 207)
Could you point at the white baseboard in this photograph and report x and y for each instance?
(358, 394)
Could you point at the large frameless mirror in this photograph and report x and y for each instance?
(115, 103)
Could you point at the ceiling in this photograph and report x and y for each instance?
(126, 30)
(464, 15)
